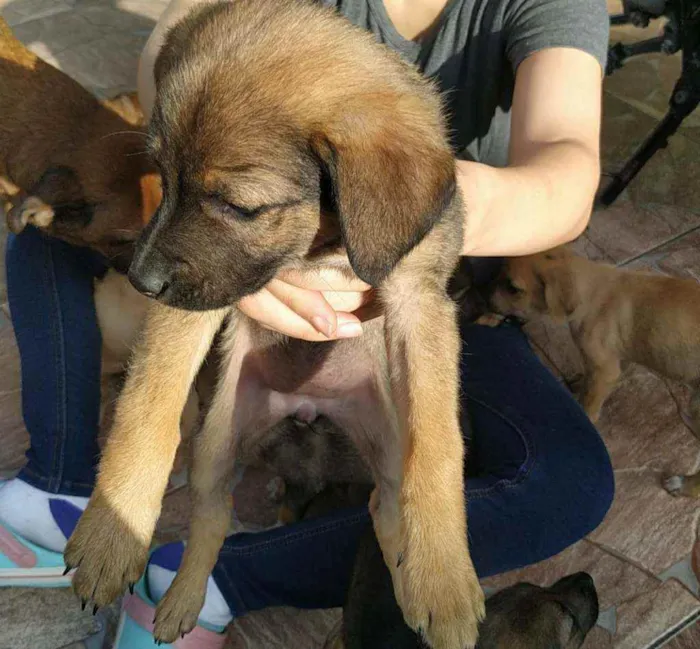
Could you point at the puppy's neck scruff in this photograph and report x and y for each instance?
(248, 134)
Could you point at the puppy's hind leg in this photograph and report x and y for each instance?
(213, 452)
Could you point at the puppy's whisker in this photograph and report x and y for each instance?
(139, 133)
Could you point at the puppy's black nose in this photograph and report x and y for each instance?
(150, 276)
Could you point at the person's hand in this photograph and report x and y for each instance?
(318, 307)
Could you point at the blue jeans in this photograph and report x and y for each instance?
(538, 475)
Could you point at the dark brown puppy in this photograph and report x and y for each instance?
(288, 138)
(523, 616)
(69, 164)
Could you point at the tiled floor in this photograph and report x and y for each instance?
(645, 557)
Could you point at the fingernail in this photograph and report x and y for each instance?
(349, 330)
(322, 325)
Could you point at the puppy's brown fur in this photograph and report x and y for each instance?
(69, 164)
(288, 138)
(615, 316)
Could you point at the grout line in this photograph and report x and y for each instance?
(675, 631)
(655, 248)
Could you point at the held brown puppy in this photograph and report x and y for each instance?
(615, 316)
(70, 164)
(287, 138)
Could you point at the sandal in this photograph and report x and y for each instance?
(25, 564)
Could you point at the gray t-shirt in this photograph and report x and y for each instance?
(473, 53)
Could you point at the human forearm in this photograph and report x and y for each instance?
(528, 207)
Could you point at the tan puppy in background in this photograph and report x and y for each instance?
(614, 316)
(327, 152)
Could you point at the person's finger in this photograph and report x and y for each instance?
(270, 312)
(347, 301)
(310, 305)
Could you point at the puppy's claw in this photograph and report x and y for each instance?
(67, 570)
(95, 608)
(400, 560)
(183, 634)
(131, 587)
(430, 619)
(83, 603)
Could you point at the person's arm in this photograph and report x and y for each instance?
(544, 197)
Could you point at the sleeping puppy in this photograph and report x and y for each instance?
(327, 152)
(523, 616)
(69, 164)
(615, 316)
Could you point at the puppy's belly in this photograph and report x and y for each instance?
(342, 383)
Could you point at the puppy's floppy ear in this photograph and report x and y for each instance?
(557, 290)
(392, 175)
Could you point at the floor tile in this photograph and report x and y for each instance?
(58, 611)
(688, 639)
(16, 12)
(626, 230)
(109, 63)
(646, 525)
(12, 431)
(554, 344)
(58, 32)
(679, 258)
(598, 639)
(151, 9)
(642, 427)
(616, 581)
(653, 615)
(282, 628)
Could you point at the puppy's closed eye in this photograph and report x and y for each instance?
(220, 204)
(512, 288)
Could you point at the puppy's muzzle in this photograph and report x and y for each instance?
(151, 274)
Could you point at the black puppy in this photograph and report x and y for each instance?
(523, 616)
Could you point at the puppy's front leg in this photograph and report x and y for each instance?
(424, 540)
(109, 546)
(599, 382)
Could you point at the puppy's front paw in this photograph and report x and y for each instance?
(177, 612)
(31, 211)
(441, 600)
(435, 584)
(107, 555)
